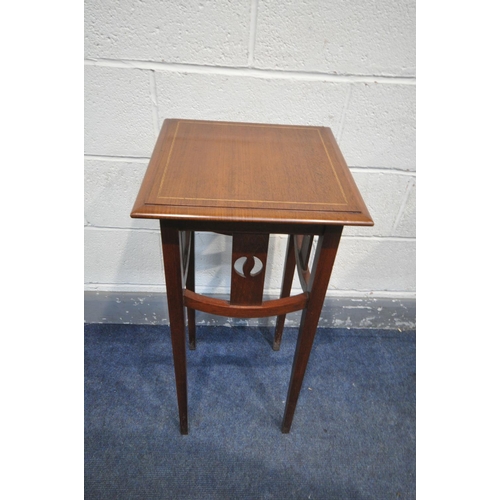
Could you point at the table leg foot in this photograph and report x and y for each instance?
(184, 428)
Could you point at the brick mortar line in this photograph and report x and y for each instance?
(404, 203)
(250, 72)
(253, 31)
(124, 159)
(121, 229)
(145, 159)
(345, 107)
(154, 102)
(388, 171)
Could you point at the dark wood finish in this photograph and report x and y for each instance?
(247, 288)
(224, 308)
(249, 181)
(303, 245)
(286, 287)
(185, 246)
(190, 282)
(249, 226)
(242, 172)
(326, 251)
(173, 278)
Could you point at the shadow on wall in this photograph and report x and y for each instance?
(137, 261)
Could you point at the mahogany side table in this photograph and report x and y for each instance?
(249, 181)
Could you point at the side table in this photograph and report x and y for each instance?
(248, 181)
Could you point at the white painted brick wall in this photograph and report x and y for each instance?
(250, 99)
(367, 37)
(118, 112)
(201, 32)
(115, 257)
(361, 262)
(384, 193)
(406, 222)
(379, 126)
(346, 65)
(111, 187)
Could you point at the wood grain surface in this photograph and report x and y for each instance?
(227, 171)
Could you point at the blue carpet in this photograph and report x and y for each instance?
(353, 434)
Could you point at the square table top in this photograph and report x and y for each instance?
(225, 171)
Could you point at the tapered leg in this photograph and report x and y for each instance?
(326, 250)
(191, 313)
(286, 286)
(173, 280)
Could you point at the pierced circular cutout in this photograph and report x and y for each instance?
(248, 267)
